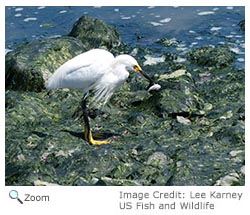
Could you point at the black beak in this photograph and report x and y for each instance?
(151, 82)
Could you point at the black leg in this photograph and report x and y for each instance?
(87, 131)
(86, 120)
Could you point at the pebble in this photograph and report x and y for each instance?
(235, 153)
(183, 120)
(228, 180)
(159, 159)
(175, 74)
(227, 115)
(44, 183)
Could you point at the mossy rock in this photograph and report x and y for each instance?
(94, 33)
(30, 65)
(209, 56)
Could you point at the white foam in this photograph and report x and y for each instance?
(30, 19)
(194, 43)
(7, 50)
(205, 13)
(63, 11)
(241, 59)
(216, 8)
(198, 38)
(19, 9)
(18, 15)
(165, 20)
(236, 50)
(41, 7)
(126, 17)
(156, 23)
(215, 28)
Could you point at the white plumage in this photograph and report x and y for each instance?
(96, 70)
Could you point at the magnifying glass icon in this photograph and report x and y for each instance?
(14, 195)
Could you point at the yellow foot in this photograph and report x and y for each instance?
(89, 138)
(98, 142)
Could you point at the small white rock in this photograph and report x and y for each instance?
(183, 120)
(235, 152)
(227, 180)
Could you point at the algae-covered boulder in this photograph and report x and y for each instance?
(218, 57)
(30, 65)
(94, 33)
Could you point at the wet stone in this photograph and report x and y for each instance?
(30, 65)
(208, 56)
(159, 159)
(228, 180)
(242, 25)
(94, 33)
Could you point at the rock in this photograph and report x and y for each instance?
(183, 120)
(228, 180)
(227, 115)
(30, 65)
(44, 183)
(94, 33)
(236, 152)
(242, 25)
(208, 56)
(178, 95)
(175, 74)
(159, 159)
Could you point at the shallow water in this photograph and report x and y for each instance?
(142, 26)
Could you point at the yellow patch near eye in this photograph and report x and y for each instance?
(137, 68)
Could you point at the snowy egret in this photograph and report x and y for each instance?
(99, 71)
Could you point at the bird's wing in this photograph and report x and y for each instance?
(81, 71)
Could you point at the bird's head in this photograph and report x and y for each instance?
(132, 65)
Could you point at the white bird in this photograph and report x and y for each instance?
(96, 70)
